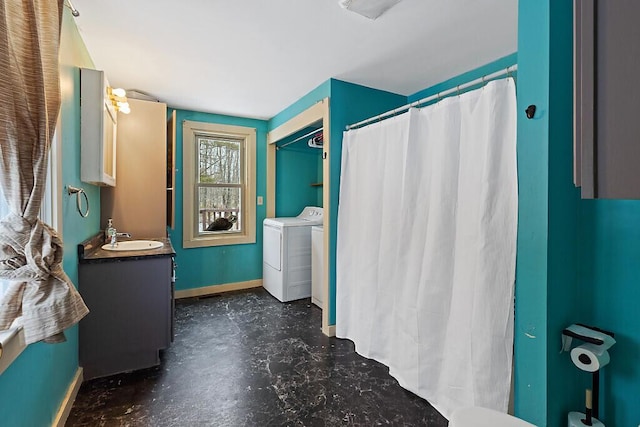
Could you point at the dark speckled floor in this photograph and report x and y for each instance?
(245, 359)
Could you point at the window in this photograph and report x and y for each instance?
(50, 211)
(219, 184)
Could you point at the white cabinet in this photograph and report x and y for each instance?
(98, 125)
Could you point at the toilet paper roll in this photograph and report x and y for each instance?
(575, 420)
(589, 357)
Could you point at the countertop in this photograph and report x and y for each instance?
(90, 251)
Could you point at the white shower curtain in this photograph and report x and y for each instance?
(426, 247)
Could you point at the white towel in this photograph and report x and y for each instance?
(368, 8)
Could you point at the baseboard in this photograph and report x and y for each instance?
(329, 330)
(218, 289)
(69, 398)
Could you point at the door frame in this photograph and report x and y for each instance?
(315, 113)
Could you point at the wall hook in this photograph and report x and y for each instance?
(530, 111)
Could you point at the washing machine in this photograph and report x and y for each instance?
(286, 254)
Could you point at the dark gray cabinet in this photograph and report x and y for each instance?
(607, 133)
(131, 314)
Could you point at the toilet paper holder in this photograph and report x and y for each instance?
(600, 339)
(588, 334)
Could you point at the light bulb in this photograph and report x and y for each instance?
(119, 92)
(124, 108)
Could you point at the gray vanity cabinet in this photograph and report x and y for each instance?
(607, 98)
(131, 314)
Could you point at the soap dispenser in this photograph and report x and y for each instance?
(109, 231)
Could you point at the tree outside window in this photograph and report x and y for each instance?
(219, 184)
(220, 181)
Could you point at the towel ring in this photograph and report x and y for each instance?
(77, 191)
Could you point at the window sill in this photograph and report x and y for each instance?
(12, 343)
(222, 239)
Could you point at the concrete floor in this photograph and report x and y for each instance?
(245, 359)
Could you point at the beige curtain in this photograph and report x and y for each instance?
(40, 293)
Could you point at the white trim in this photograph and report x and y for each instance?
(318, 111)
(52, 202)
(217, 289)
(12, 348)
(329, 330)
(306, 118)
(190, 239)
(326, 223)
(69, 398)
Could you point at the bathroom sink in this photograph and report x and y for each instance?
(133, 245)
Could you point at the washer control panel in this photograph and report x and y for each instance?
(311, 213)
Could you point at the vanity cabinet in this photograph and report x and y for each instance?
(98, 130)
(130, 318)
(607, 133)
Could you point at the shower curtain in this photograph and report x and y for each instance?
(426, 247)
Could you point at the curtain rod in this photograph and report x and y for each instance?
(507, 71)
(300, 137)
(74, 11)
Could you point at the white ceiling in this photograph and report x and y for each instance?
(253, 58)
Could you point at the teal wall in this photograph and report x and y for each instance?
(577, 260)
(200, 267)
(32, 388)
(533, 181)
(294, 193)
(477, 73)
(549, 294)
(316, 95)
(350, 103)
(610, 273)
(297, 167)
(566, 299)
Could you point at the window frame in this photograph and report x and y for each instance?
(191, 238)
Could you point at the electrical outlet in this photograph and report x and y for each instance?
(260, 200)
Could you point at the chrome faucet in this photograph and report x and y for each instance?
(115, 235)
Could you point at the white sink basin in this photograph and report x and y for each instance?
(133, 245)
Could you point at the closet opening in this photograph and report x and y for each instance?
(297, 177)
